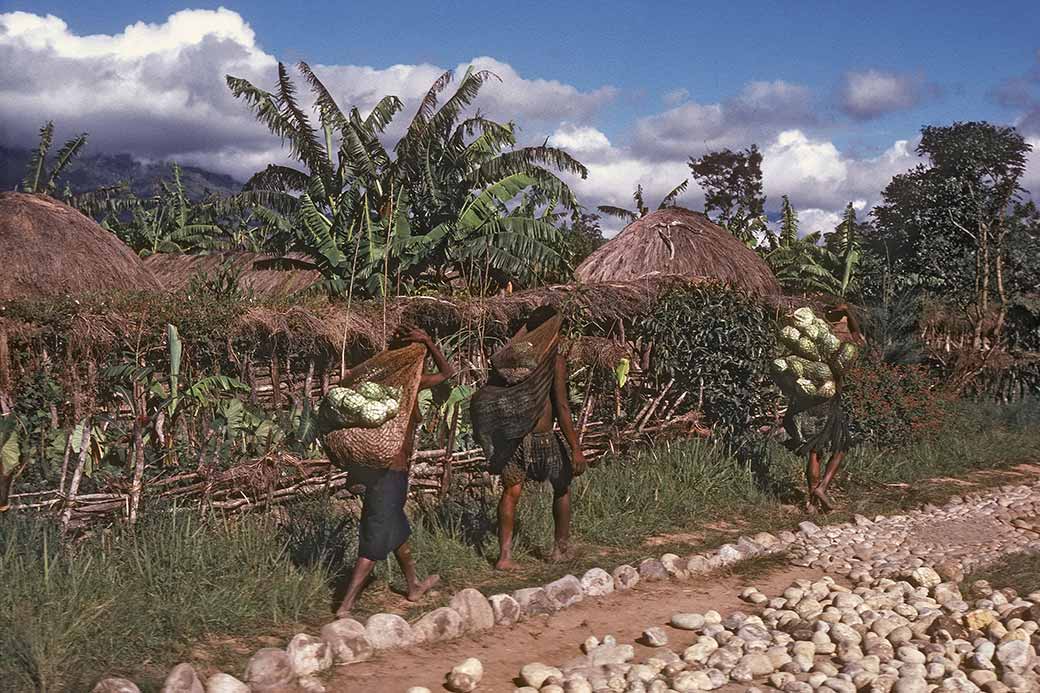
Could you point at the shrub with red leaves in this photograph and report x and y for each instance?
(894, 404)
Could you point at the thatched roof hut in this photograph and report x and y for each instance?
(678, 242)
(51, 249)
(267, 276)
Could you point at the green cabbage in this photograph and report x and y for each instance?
(807, 349)
(366, 405)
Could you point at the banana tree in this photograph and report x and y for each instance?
(40, 179)
(803, 265)
(167, 222)
(382, 216)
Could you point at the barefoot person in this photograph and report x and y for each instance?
(384, 527)
(514, 416)
(816, 429)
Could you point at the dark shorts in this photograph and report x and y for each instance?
(384, 525)
(540, 457)
(823, 428)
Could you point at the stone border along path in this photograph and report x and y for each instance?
(904, 627)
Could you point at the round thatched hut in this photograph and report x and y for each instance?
(678, 242)
(49, 248)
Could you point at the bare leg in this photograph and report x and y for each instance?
(562, 524)
(820, 492)
(362, 569)
(506, 518)
(416, 589)
(812, 479)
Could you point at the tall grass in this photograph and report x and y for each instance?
(125, 599)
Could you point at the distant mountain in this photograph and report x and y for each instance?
(99, 170)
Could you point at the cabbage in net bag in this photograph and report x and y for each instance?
(388, 373)
(813, 357)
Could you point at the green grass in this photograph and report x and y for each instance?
(1019, 571)
(126, 601)
(135, 602)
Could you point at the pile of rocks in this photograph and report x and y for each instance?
(883, 635)
(963, 535)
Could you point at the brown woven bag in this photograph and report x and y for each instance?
(377, 447)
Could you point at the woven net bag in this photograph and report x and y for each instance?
(377, 447)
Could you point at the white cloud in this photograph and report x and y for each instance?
(873, 93)
(158, 90)
(815, 174)
(1031, 177)
(580, 140)
(814, 219)
(758, 112)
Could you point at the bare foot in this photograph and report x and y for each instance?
(422, 588)
(559, 554)
(506, 564)
(820, 496)
(810, 506)
(344, 610)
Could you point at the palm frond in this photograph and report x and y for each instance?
(469, 87)
(34, 171)
(619, 212)
(382, 114)
(69, 151)
(669, 199)
(328, 109)
(277, 177)
(428, 106)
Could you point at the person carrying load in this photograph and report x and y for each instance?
(514, 416)
(819, 354)
(369, 424)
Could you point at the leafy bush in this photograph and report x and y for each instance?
(894, 404)
(716, 342)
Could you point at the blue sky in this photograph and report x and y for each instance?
(834, 93)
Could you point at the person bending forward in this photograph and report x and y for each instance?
(514, 418)
(384, 527)
(818, 429)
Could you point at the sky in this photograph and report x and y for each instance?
(834, 94)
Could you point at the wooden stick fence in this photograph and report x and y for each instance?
(281, 479)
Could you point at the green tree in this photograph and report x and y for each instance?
(38, 179)
(733, 197)
(947, 225)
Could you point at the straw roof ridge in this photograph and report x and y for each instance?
(678, 241)
(262, 274)
(51, 249)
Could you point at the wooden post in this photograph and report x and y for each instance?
(276, 381)
(77, 475)
(138, 478)
(449, 448)
(5, 364)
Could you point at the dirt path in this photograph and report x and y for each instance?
(976, 532)
(555, 639)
